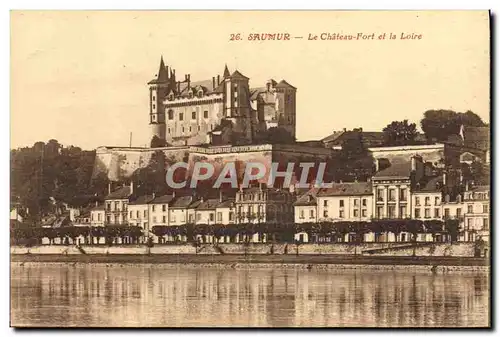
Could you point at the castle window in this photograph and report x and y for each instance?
(168, 130)
(193, 115)
(199, 128)
(182, 130)
(154, 106)
(190, 129)
(154, 118)
(170, 114)
(205, 114)
(154, 98)
(181, 116)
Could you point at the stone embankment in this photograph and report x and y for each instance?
(368, 249)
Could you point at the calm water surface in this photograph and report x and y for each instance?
(143, 296)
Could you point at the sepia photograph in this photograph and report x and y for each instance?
(250, 169)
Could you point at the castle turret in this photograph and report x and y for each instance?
(286, 106)
(237, 103)
(158, 89)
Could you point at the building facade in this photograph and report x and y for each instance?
(262, 204)
(476, 222)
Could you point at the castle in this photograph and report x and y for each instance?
(219, 111)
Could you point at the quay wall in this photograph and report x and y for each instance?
(375, 249)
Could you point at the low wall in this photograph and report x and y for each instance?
(386, 249)
(436, 249)
(173, 249)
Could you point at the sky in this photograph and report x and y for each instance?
(81, 77)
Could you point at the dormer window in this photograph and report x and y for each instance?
(200, 93)
(171, 97)
(190, 94)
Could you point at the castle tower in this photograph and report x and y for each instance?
(286, 106)
(237, 104)
(158, 89)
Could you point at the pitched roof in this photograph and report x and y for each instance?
(332, 137)
(97, 208)
(142, 200)
(284, 84)
(308, 198)
(347, 189)
(209, 204)
(396, 170)
(369, 138)
(433, 184)
(181, 202)
(121, 193)
(226, 203)
(163, 199)
(237, 74)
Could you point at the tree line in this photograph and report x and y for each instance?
(274, 232)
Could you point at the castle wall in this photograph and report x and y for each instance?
(430, 153)
(189, 130)
(120, 163)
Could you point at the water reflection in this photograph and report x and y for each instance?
(146, 297)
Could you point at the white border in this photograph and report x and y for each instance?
(193, 4)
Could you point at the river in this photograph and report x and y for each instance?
(144, 296)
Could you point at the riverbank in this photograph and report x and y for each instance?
(316, 262)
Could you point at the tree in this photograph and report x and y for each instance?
(400, 133)
(440, 124)
(353, 162)
(278, 135)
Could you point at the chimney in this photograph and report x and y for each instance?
(178, 86)
(109, 188)
(213, 83)
(377, 165)
(221, 198)
(444, 178)
(154, 195)
(173, 194)
(131, 187)
(344, 129)
(218, 79)
(467, 186)
(96, 203)
(413, 163)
